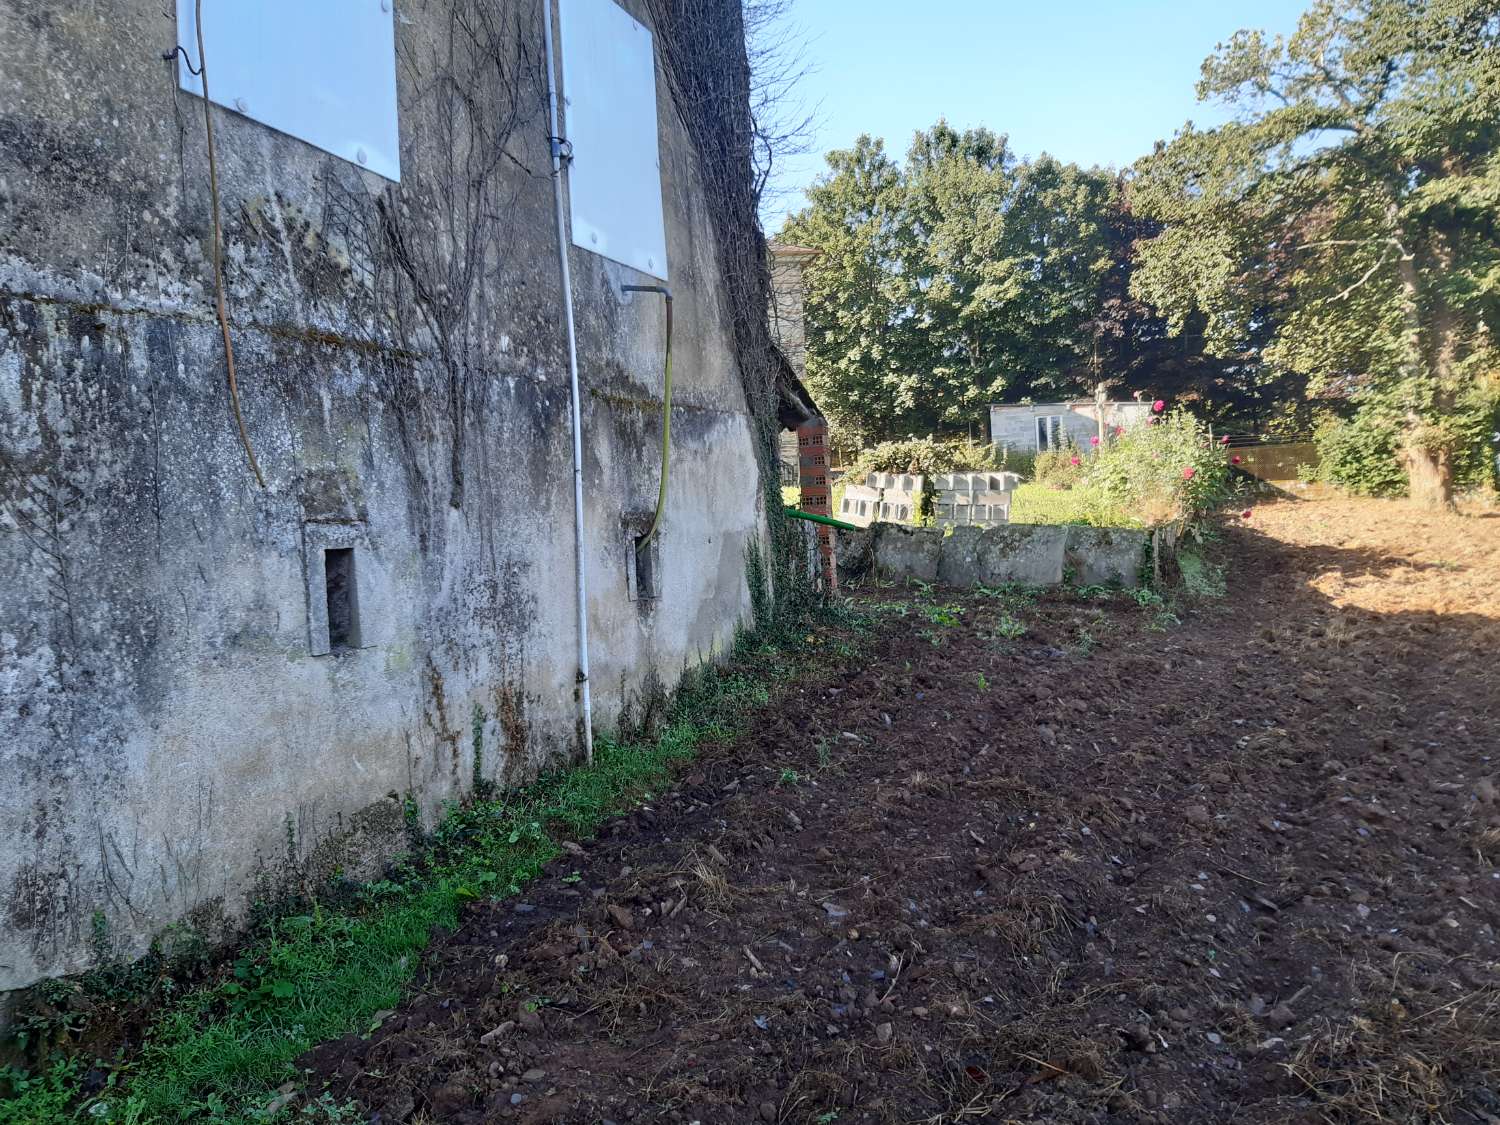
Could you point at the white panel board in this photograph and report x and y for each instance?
(323, 71)
(609, 90)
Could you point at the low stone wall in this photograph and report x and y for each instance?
(1035, 554)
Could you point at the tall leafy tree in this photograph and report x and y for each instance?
(858, 362)
(1135, 348)
(1358, 196)
(963, 277)
(1004, 263)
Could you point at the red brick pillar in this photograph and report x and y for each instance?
(817, 493)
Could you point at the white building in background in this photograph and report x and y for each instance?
(1043, 426)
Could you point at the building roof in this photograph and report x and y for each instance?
(791, 251)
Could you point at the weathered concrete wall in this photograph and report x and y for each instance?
(1033, 554)
(172, 747)
(1014, 427)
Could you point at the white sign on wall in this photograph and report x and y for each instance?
(323, 71)
(609, 91)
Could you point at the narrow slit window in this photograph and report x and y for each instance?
(343, 603)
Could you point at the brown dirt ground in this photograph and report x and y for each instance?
(1242, 869)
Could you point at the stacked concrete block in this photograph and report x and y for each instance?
(973, 499)
(900, 495)
(860, 505)
(888, 497)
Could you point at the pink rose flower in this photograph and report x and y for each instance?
(1224, 440)
(1075, 461)
(1235, 460)
(1159, 405)
(1094, 440)
(1189, 472)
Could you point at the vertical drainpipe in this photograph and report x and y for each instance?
(559, 151)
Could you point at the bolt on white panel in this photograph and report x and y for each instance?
(323, 71)
(609, 94)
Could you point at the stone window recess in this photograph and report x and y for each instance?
(343, 598)
(331, 560)
(642, 567)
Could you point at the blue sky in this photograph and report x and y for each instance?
(1091, 81)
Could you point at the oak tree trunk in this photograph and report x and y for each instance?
(1429, 475)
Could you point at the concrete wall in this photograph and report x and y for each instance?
(1033, 554)
(1015, 427)
(173, 747)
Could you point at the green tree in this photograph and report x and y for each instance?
(961, 278)
(855, 315)
(1004, 262)
(1135, 349)
(1358, 195)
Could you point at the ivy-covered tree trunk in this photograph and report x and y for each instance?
(1429, 472)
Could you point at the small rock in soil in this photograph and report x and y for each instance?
(528, 1018)
(490, 1036)
(622, 917)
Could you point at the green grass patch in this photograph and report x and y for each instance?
(1201, 577)
(218, 1051)
(1041, 503)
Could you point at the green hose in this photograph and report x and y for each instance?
(666, 416)
(814, 517)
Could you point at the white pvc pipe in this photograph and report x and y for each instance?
(556, 143)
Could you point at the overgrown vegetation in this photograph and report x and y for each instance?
(217, 1050)
(928, 456)
(1340, 234)
(1169, 470)
(1351, 205)
(1362, 454)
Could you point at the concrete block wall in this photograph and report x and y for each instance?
(973, 499)
(1014, 427)
(1032, 554)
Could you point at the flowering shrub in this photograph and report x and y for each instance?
(1168, 472)
(1059, 468)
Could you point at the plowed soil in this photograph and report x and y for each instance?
(1120, 867)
